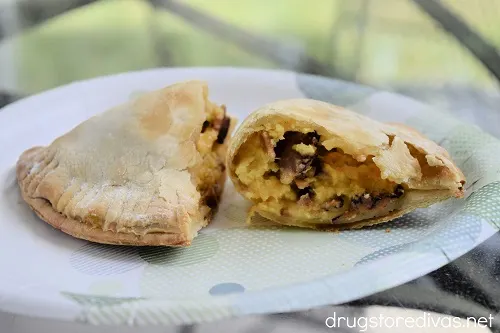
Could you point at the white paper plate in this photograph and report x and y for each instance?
(229, 270)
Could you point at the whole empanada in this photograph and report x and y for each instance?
(310, 164)
(148, 172)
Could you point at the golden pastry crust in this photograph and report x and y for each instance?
(134, 174)
(400, 155)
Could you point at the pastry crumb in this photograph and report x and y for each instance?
(388, 230)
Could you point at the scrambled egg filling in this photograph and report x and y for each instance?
(289, 173)
(211, 145)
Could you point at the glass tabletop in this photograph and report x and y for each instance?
(413, 47)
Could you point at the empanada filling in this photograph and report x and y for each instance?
(208, 174)
(293, 174)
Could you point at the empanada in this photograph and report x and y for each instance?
(148, 172)
(311, 164)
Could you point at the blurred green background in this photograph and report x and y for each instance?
(386, 43)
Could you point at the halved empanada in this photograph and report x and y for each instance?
(310, 164)
(148, 172)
